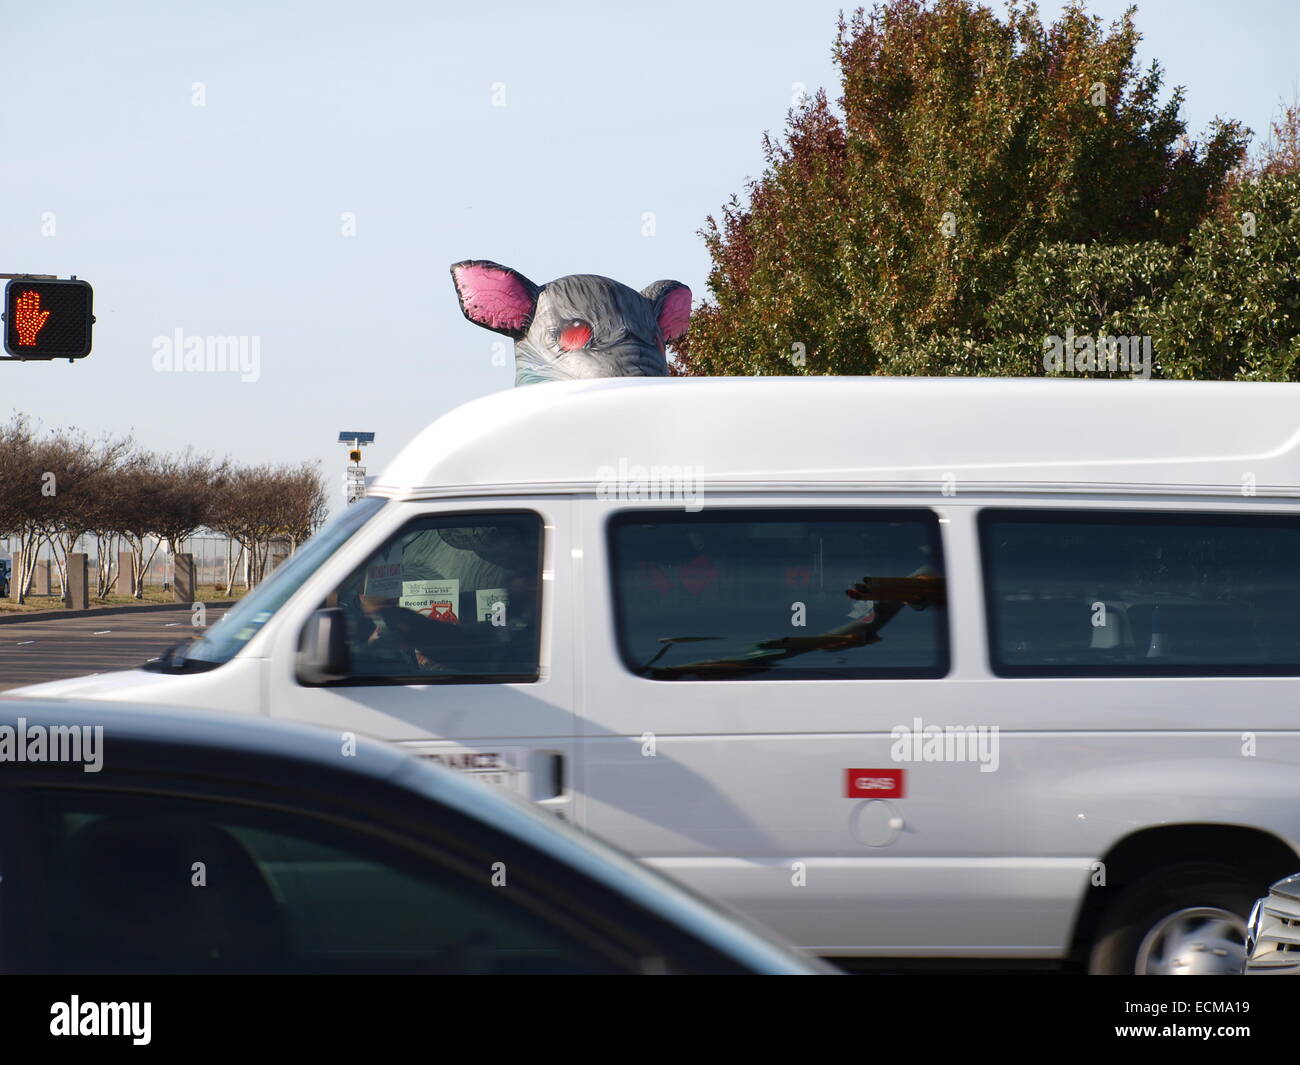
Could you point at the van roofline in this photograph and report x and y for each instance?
(927, 486)
(863, 434)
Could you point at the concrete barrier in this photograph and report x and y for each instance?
(183, 577)
(124, 562)
(78, 590)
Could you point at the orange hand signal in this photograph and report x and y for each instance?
(29, 318)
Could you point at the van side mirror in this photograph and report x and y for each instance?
(323, 654)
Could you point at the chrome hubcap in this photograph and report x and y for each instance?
(1199, 941)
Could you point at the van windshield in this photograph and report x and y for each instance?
(242, 621)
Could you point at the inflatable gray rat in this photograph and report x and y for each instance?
(578, 326)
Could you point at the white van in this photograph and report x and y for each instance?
(982, 669)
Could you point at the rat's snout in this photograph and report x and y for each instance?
(628, 358)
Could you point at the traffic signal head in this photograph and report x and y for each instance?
(355, 454)
(48, 319)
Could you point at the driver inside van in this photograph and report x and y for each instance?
(454, 600)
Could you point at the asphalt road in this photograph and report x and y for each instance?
(32, 651)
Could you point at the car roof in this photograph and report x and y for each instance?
(851, 433)
(225, 742)
(161, 728)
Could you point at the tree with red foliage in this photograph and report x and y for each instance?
(961, 145)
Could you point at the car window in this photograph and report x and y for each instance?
(1089, 593)
(128, 883)
(447, 598)
(779, 594)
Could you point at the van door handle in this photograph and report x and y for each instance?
(548, 776)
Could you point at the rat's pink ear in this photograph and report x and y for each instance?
(672, 303)
(494, 296)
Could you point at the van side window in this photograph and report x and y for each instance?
(1126, 593)
(738, 594)
(448, 598)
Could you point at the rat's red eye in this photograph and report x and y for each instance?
(574, 334)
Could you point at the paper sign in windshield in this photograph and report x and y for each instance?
(434, 599)
(491, 604)
(384, 574)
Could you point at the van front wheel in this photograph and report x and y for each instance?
(1189, 920)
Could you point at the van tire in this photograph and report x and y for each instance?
(1154, 900)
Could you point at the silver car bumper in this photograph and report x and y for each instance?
(1273, 931)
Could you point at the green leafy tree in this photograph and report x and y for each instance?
(900, 232)
(1090, 289)
(1225, 305)
(1234, 310)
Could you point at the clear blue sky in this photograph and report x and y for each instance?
(225, 219)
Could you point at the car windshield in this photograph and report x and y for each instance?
(229, 635)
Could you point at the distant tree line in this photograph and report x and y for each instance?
(58, 485)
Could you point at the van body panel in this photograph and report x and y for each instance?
(237, 686)
(1011, 907)
(754, 770)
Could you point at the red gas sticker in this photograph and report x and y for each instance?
(873, 783)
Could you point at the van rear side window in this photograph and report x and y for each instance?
(1126, 593)
(738, 594)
